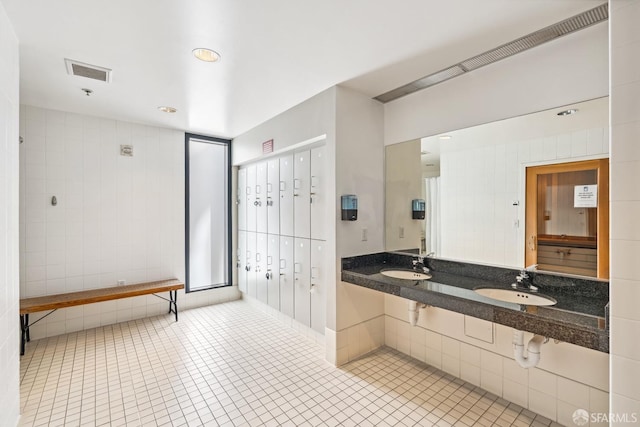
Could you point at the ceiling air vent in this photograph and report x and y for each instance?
(76, 68)
(559, 29)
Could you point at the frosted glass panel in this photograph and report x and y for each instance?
(208, 219)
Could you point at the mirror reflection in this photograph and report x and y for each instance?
(477, 206)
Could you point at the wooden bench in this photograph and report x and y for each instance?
(53, 302)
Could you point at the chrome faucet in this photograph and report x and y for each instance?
(524, 280)
(418, 264)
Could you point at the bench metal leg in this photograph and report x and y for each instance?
(173, 303)
(25, 335)
(24, 332)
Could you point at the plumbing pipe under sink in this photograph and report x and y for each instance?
(414, 311)
(533, 349)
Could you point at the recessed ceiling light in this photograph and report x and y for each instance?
(568, 112)
(166, 109)
(444, 137)
(206, 55)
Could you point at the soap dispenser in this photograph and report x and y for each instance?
(417, 208)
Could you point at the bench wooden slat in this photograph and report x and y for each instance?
(70, 299)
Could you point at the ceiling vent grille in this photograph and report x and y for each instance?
(562, 28)
(76, 68)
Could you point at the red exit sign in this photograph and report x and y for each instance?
(267, 147)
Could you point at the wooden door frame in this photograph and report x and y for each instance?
(602, 169)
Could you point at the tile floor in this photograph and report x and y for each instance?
(231, 365)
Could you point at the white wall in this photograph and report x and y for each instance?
(625, 206)
(567, 378)
(307, 120)
(9, 229)
(117, 217)
(567, 70)
(359, 171)
(403, 183)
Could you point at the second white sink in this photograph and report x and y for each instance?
(515, 296)
(405, 274)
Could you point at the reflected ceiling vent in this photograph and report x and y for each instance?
(562, 28)
(76, 68)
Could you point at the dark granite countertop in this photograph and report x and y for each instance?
(578, 317)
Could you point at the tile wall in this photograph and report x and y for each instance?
(567, 378)
(9, 229)
(490, 235)
(116, 218)
(625, 207)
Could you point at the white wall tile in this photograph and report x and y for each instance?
(579, 143)
(542, 403)
(11, 218)
(470, 354)
(451, 365)
(626, 294)
(598, 401)
(621, 344)
(515, 392)
(573, 392)
(491, 362)
(470, 373)
(624, 376)
(626, 149)
(564, 146)
(624, 220)
(565, 412)
(491, 382)
(514, 372)
(433, 340)
(623, 184)
(625, 104)
(543, 381)
(433, 357)
(623, 263)
(99, 233)
(621, 404)
(451, 347)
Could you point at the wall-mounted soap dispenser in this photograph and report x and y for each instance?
(417, 208)
(349, 207)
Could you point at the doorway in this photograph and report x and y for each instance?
(567, 218)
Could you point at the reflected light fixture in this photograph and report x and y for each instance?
(206, 55)
(568, 112)
(444, 137)
(166, 109)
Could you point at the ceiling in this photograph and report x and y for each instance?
(275, 54)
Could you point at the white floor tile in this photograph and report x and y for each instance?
(232, 365)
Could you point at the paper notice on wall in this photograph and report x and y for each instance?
(585, 196)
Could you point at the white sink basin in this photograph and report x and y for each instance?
(405, 274)
(515, 296)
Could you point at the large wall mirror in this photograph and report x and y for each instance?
(474, 185)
